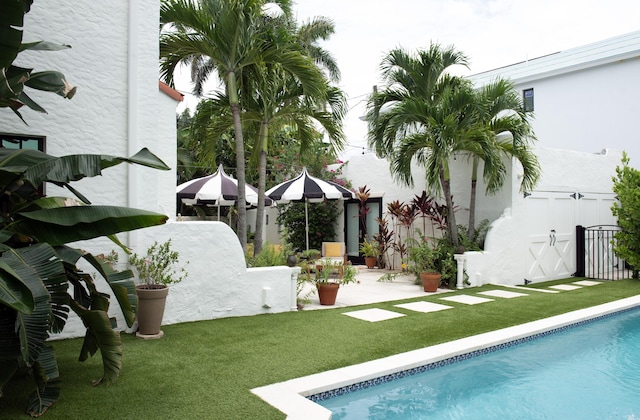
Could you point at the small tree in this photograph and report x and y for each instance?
(626, 185)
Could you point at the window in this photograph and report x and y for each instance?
(17, 141)
(527, 99)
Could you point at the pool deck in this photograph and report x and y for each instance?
(290, 396)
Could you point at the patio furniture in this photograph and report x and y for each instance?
(336, 253)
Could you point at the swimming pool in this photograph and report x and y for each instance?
(584, 371)
(291, 397)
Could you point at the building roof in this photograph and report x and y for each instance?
(170, 91)
(619, 48)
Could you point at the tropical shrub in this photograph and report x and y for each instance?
(322, 217)
(626, 185)
(37, 267)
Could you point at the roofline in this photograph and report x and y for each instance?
(170, 91)
(616, 49)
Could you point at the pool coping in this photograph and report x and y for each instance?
(290, 396)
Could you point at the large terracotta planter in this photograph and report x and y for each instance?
(370, 262)
(430, 281)
(327, 292)
(151, 301)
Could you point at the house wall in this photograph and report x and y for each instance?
(585, 98)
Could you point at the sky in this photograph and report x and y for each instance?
(492, 33)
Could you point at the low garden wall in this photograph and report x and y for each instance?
(218, 284)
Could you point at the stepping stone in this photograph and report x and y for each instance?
(373, 315)
(502, 294)
(587, 283)
(565, 287)
(466, 299)
(423, 306)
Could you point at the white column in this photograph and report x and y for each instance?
(460, 260)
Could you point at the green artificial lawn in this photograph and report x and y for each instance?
(205, 370)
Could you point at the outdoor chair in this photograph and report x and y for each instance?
(336, 253)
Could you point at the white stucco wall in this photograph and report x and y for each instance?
(218, 284)
(503, 260)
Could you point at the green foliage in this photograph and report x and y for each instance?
(422, 256)
(436, 256)
(159, 265)
(369, 248)
(269, 256)
(322, 219)
(14, 79)
(626, 185)
(329, 273)
(37, 267)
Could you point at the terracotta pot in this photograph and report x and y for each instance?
(430, 281)
(370, 262)
(151, 301)
(327, 292)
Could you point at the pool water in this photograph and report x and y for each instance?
(591, 371)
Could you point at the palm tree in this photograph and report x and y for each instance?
(422, 114)
(225, 37)
(500, 112)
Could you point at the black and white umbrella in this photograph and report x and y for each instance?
(217, 190)
(309, 189)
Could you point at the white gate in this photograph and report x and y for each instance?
(551, 222)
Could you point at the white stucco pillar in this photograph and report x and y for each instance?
(460, 260)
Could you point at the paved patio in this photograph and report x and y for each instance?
(369, 289)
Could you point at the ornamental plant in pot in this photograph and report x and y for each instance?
(424, 263)
(370, 251)
(156, 271)
(327, 280)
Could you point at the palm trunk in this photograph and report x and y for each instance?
(240, 164)
(452, 226)
(472, 200)
(262, 181)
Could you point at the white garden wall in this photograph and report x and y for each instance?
(218, 284)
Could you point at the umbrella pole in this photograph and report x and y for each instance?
(306, 218)
(218, 211)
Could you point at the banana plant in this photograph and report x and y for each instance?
(37, 266)
(13, 79)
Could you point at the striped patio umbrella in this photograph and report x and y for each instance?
(216, 190)
(309, 189)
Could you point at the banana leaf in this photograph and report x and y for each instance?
(48, 382)
(59, 226)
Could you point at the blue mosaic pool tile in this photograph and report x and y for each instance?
(430, 366)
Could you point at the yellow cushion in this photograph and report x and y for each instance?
(333, 249)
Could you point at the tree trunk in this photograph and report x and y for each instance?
(472, 200)
(240, 165)
(452, 227)
(262, 180)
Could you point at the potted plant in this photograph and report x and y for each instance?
(370, 251)
(328, 283)
(425, 264)
(156, 271)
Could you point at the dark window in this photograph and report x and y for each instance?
(17, 141)
(527, 99)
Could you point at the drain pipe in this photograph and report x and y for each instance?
(132, 111)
